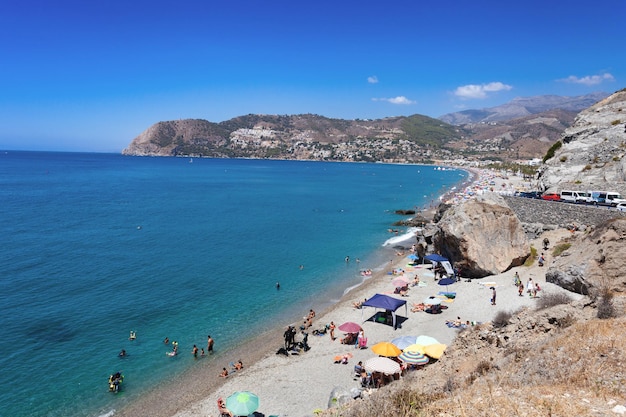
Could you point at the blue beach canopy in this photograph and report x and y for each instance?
(433, 257)
(386, 302)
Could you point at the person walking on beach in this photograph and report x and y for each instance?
(520, 289)
(530, 287)
(331, 329)
(209, 344)
(493, 296)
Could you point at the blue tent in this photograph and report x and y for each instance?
(433, 257)
(385, 302)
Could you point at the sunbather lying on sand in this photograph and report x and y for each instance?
(418, 307)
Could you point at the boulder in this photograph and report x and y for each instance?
(596, 261)
(482, 237)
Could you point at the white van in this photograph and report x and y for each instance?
(575, 196)
(607, 198)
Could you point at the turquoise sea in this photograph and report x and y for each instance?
(97, 245)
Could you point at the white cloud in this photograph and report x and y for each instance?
(589, 79)
(372, 79)
(480, 91)
(396, 100)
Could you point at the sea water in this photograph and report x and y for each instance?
(97, 245)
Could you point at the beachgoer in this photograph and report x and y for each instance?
(301, 267)
(224, 373)
(360, 337)
(194, 351)
(166, 341)
(530, 287)
(122, 353)
(221, 406)
(416, 281)
(132, 336)
(202, 352)
(546, 243)
(533, 291)
(239, 365)
(347, 259)
(311, 315)
(520, 289)
(209, 345)
(516, 279)
(278, 285)
(541, 261)
(493, 296)
(331, 329)
(358, 368)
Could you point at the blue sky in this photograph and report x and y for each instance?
(91, 76)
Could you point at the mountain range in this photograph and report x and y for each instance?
(522, 128)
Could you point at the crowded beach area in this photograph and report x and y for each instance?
(293, 370)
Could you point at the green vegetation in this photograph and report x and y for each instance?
(563, 158)
(586, 168)
(560, 248)
(552, 150)
(615, 122)
(532, 257)
(424, 130)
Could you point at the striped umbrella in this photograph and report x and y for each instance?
(383, 365)
(415, 358)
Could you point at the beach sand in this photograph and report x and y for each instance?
(297, 385)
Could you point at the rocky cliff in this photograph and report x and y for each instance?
(592, 153)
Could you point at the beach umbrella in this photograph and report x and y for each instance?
(383, 365)
(242, 403)
(416, 358)
(433, 351)
(350, 327)
(403, 341)
(446, 282)
(400, 282)
(386, 349)
(426, 340)
(432, 301)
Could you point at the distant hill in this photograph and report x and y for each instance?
(523, 128)
(302, 136)
(523, 106)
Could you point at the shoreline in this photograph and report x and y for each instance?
(195, 392)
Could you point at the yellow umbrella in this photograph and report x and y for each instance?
(434, 351)
(386, 349)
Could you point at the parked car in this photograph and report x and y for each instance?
(551, 197)
(530, 194)
(621, 207)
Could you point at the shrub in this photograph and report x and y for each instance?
(563, 158)
(501, 319)
(587, 168)
(615, 122)
(606, 308)
(552, 149)
(552, 299)
(531, 259)
(560, 248)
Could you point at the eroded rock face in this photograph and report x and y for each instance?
(594, 262)
(482, 237)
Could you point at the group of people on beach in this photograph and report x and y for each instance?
(532, 287)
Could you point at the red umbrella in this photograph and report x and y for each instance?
(350, 327)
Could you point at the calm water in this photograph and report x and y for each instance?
(96, 245)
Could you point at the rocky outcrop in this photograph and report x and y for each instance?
(482, 237)
(593, 150)
(594, 262)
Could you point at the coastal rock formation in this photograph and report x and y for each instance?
(482, 237)
(594, 262)
(593, 148)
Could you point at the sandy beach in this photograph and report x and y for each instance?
(297, 385)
